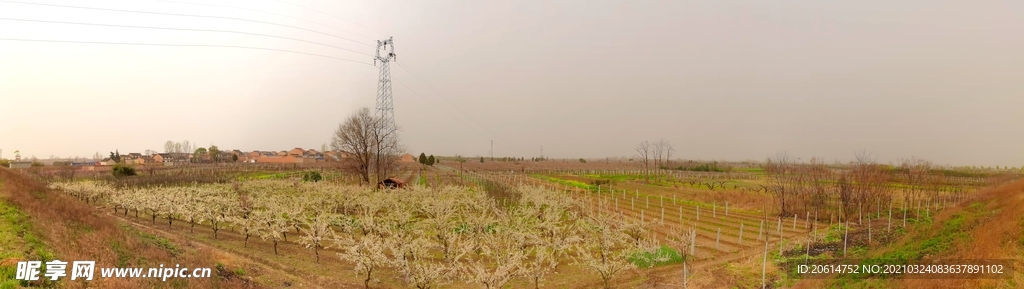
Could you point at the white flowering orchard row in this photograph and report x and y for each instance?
(428, 236)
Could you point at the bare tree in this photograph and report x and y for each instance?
(781, 172)
(370, 144)
(169, 147)
(355, 138)
(668, 152)
(643, 151)
(387, 149)
(659, 149)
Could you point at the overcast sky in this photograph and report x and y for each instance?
(726, 80)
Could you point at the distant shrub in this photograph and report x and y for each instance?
(312, 176)
(5, 163)
(583, 160)
(123, 170)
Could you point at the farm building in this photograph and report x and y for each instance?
(391, 183)
(20, 165)
(281, 160)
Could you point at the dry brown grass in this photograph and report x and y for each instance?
(74, 230)
(1001, 236)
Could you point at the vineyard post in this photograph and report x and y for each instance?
(684, 275)
(794, 222)
(807, 221)
(632, 204)
(846, 237)
(718, 237)
(764, 264)
(693, 239)
(808, 254)
(741, 235)
(698, 213)
(714, 210)
(888, 226)
(779, 227)
(904, 214)
(663, 216)
(648, 201)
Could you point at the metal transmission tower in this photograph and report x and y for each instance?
(385, 104)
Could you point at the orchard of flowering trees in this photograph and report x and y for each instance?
(427, 236)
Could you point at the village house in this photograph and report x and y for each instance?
(170, 159)
(281, 160)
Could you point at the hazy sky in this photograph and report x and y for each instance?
(732, 80)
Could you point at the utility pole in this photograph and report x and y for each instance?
(542, 152)
(492, 150)
(385, 104)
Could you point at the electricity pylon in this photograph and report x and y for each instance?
(385, 104)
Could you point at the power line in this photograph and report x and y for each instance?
(325, 13)
(266, 12)
(184, 29)
(186, 15)
(182, 45)
(455, 106)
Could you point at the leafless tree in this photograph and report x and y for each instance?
(915, 170)
(782, 177)
(371, 146)
(387, 149)
(668, 152)
(657, 153)
(643, 151)
(354, 137)
(169, 147)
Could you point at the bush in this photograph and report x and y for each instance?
(583, 160)
(5, 163)
(123, 170)
(312, 176)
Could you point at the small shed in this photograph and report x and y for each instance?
(20, 165)
(391, 183)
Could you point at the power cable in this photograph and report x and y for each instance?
(186, 15)
(184, 29)
(328, 14)
(269, 13)
(182, 45)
